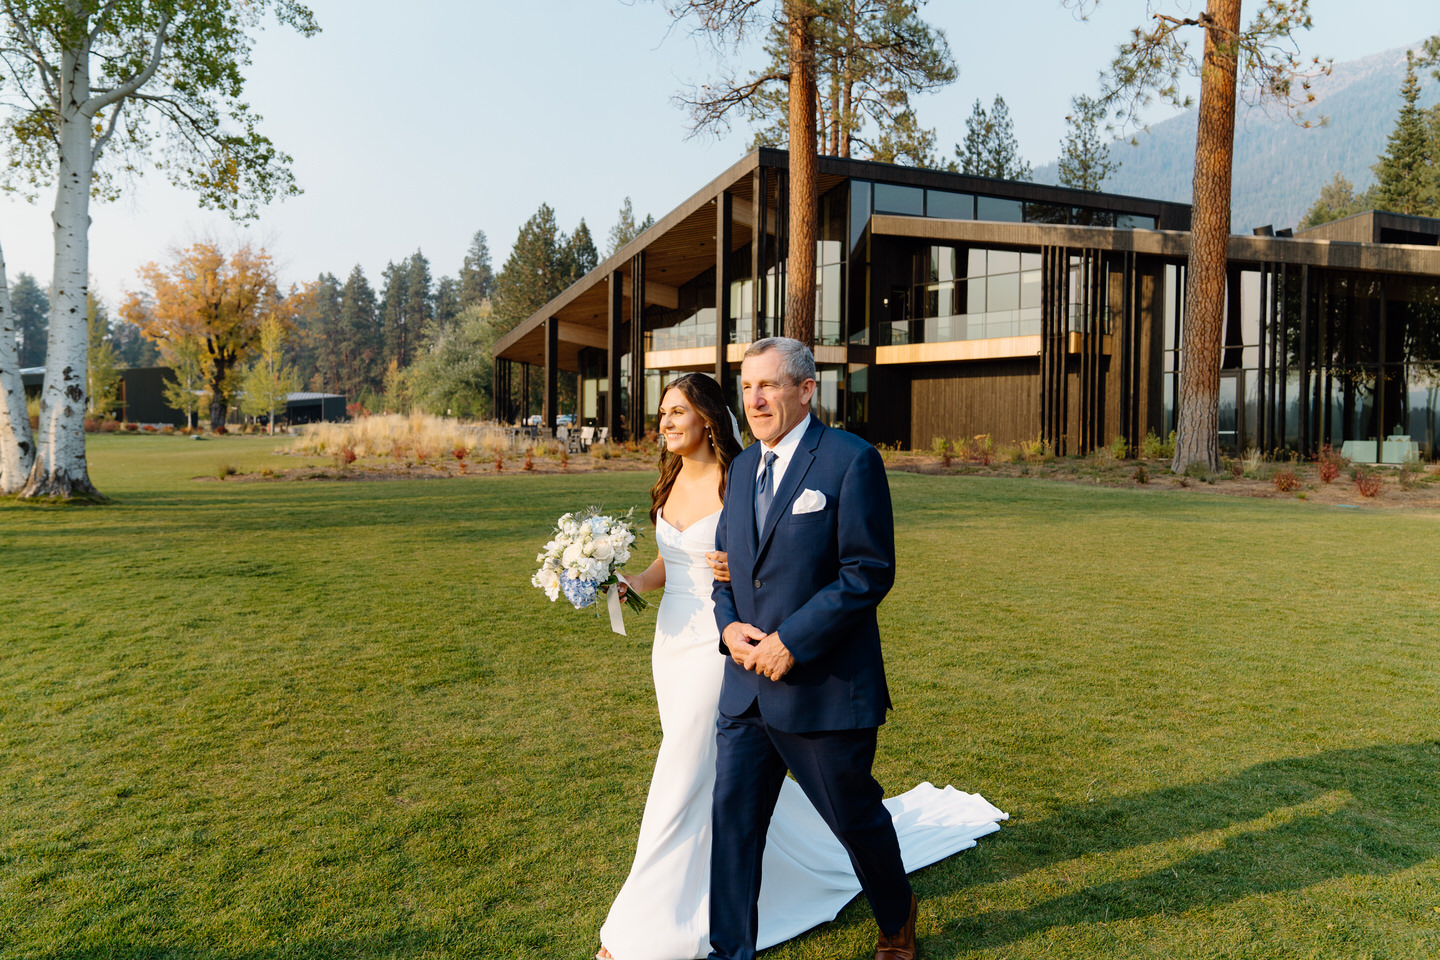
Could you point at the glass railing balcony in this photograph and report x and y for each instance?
(681, 337)
(1024, 322)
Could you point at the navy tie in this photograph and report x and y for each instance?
(764, 491)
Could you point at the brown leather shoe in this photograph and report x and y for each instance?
(902, 945)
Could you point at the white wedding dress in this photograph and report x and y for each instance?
(663, 910)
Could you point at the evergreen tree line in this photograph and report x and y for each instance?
(425, 344)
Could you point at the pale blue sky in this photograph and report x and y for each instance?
(413, 131)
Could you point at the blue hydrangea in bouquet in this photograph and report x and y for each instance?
(584, 556)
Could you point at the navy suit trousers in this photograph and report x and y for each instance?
(833, 768)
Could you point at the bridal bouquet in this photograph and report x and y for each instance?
(584, 555)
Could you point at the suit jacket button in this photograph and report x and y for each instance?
(757, 584)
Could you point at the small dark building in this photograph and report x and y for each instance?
(314, 407)
(142, 397)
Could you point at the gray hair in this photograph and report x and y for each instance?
(796, 361)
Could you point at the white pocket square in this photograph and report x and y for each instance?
(809, 502)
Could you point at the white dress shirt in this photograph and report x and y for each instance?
(784, 452)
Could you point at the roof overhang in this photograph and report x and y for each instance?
(677, 248)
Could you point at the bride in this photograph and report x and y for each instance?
(662, 912)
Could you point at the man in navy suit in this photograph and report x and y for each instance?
(808, 529)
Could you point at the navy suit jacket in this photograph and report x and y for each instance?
(817, 578)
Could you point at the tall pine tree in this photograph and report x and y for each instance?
(626, 228)
(314, 348)
(446, 303)
(1085, 154)
(990, 148)
(1405, 172)
(405, 307)
(360, 359)
(477, 279)
(534, 273)
(580, 254)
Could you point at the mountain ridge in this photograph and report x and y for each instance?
(1279, 166)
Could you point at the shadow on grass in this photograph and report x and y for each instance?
(1276, 827)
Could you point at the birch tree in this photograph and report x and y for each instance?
(270, 380)
(186, 359)
(1259, 63)
(17, 447)
(96, 87)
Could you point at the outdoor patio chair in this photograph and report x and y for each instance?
(587, 437)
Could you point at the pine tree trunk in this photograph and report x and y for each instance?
(60, 471)
(800, 266)
(1198, 420)
(17, 448)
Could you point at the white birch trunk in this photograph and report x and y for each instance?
(60, 470)
(17, 447)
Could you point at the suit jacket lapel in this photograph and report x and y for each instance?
(790, 483)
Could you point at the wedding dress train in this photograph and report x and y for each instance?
(663, 910)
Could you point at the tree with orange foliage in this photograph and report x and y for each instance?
(216, 300)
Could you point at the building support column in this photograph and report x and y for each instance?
(759, 252)
(1128, 353)
(1054, 346)
(1383, 414)
(1262, 432)
(724, 325)
(1281, 361)
(496, 413)
(614, 349)
(635, 414)
(1304, 405)
(782, 250)
(549, 410)
(523, 405)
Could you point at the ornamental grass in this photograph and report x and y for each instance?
(394, 435)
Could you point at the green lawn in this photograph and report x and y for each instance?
(320, 719)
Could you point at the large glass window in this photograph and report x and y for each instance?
(893, 198)
(829, 402)
(967, 293)
(997, 208)
(944, 205)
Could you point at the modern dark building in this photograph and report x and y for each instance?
(951, 305)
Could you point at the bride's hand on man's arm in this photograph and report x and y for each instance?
(719, 562)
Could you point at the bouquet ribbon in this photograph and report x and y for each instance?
(612, 604)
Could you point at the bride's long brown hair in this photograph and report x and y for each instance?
(708, 400)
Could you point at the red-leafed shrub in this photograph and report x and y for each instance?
(1368, 484)
(1286, 481)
